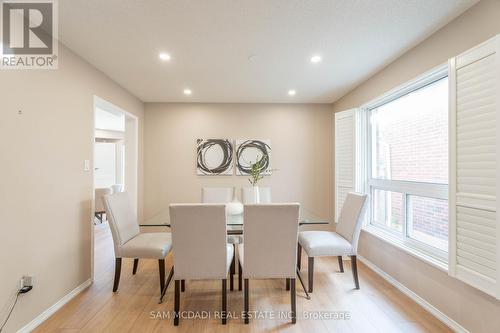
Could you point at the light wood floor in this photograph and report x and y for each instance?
(376, 307)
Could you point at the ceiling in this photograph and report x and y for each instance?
(254, 51)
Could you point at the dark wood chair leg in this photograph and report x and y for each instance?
(136, 263)
(293, 301)
(302, 283)
(341, 264)
(224, 302)
(287, 284)
(299, 256)
(118, 270)
(183, 285)
(246, 301)
(177, 302)
(232, 271)
(354, 264)
(169, 278)
(240, 276)
(161, 267)
(310, 271)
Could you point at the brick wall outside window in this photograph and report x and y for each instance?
(410, 139)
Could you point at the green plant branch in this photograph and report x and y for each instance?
(256, 171)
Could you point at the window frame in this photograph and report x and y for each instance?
(406, 188)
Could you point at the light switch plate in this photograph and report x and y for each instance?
(86, 165)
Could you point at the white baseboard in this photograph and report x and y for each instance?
(456, 327)
(53, 309)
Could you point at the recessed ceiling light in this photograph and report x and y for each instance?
(187, 92)
(315, 59)
(164, 56)
(291, 92)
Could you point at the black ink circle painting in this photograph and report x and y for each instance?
(214, 157)
(251, 151)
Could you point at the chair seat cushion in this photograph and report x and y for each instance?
(154, 245)
(324, 243)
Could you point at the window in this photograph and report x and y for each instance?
(407, 164)
(387, 209)
(428, 221)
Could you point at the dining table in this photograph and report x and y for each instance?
(235, 223)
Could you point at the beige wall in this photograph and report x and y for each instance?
(301, 137)
(471, 308)
(45, 195)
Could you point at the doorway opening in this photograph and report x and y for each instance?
(115, 169)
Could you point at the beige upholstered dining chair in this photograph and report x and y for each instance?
(269, 247)
(200, 247)
(217, 194)
(221, 195)
(129, 242)
(343, 242)
(247, 195)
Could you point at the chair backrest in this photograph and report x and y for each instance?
(122, 220)
(351, 217)
(199, 241)
(270, 240)
(247, 196)
(217, 194)
(98, 198)
(117, 188)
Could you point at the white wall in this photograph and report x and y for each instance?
(131, 159)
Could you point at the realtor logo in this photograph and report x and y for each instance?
(29, 34)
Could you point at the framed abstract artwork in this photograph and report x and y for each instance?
(214, 157)
(251, 151)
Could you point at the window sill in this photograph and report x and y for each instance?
(413, 251)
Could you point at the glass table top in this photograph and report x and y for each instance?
(163, 219)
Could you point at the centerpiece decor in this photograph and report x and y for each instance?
(257, 170)
(235, 207)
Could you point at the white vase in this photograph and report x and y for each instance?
(235, 207)
(256, 194)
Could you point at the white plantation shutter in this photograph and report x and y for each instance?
(345, 137)
(475, 168)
